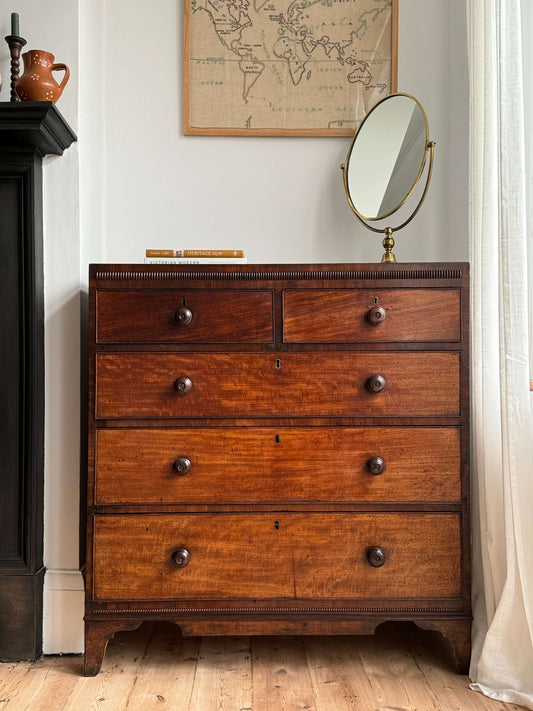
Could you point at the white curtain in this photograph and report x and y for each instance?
(502, 658)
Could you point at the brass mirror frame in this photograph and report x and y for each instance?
(388, 241)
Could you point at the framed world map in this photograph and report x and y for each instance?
(286, 67)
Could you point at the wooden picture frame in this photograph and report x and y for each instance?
(286, 68)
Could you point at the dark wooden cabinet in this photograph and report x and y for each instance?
(28, 131)
(278, 449)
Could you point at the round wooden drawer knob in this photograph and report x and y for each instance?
(182, 465)
(376, 465)
(376, 383)
(180, 557)
(376, 315)
(375, 556)
(183, 316)
(183, 385)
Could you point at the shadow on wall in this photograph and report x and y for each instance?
(62, 433)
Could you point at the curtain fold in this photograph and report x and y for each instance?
(502, 432)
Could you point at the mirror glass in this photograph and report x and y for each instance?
(387, 156)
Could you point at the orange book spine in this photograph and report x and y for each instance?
(199, 253)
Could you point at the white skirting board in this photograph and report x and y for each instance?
(63, 612)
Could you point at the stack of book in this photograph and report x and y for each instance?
(195, 256)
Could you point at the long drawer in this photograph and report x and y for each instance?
(350, 315)
(284, 555)
(184, 316)
(130, 385)
(261, 465)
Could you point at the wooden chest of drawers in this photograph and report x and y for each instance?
(278, 450)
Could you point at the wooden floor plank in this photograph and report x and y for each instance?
(11, 677)
(418, 690)
(452, 691)
(223, 679)
(386, 666)
(57, 685)
(339, 681)
(167, 671)
(400, 668)
(6, 669)
(281, 679)
(112, 688)
(23, 683)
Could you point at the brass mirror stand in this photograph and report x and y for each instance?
(388, 241)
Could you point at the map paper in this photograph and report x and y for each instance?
(281, 66)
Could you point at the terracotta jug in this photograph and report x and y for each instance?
(37, 82)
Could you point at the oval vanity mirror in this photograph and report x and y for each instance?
(386, 161)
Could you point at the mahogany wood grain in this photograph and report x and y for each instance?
(218, 316)
(457, 633)
(280, 555)
(285, 384)
(274, 626)
(97, 636)
(231, 426)
(287, 464)
(334, 315)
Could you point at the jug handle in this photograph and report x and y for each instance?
(65, 76)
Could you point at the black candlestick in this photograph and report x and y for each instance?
(15, 43)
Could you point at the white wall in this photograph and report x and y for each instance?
(142, 183)
(281, 199)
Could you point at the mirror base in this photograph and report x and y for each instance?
(388, 244)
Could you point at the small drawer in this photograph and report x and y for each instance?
(216, 316)
(284, 555)
(238, 465)
(370, 315)
(138, 385)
